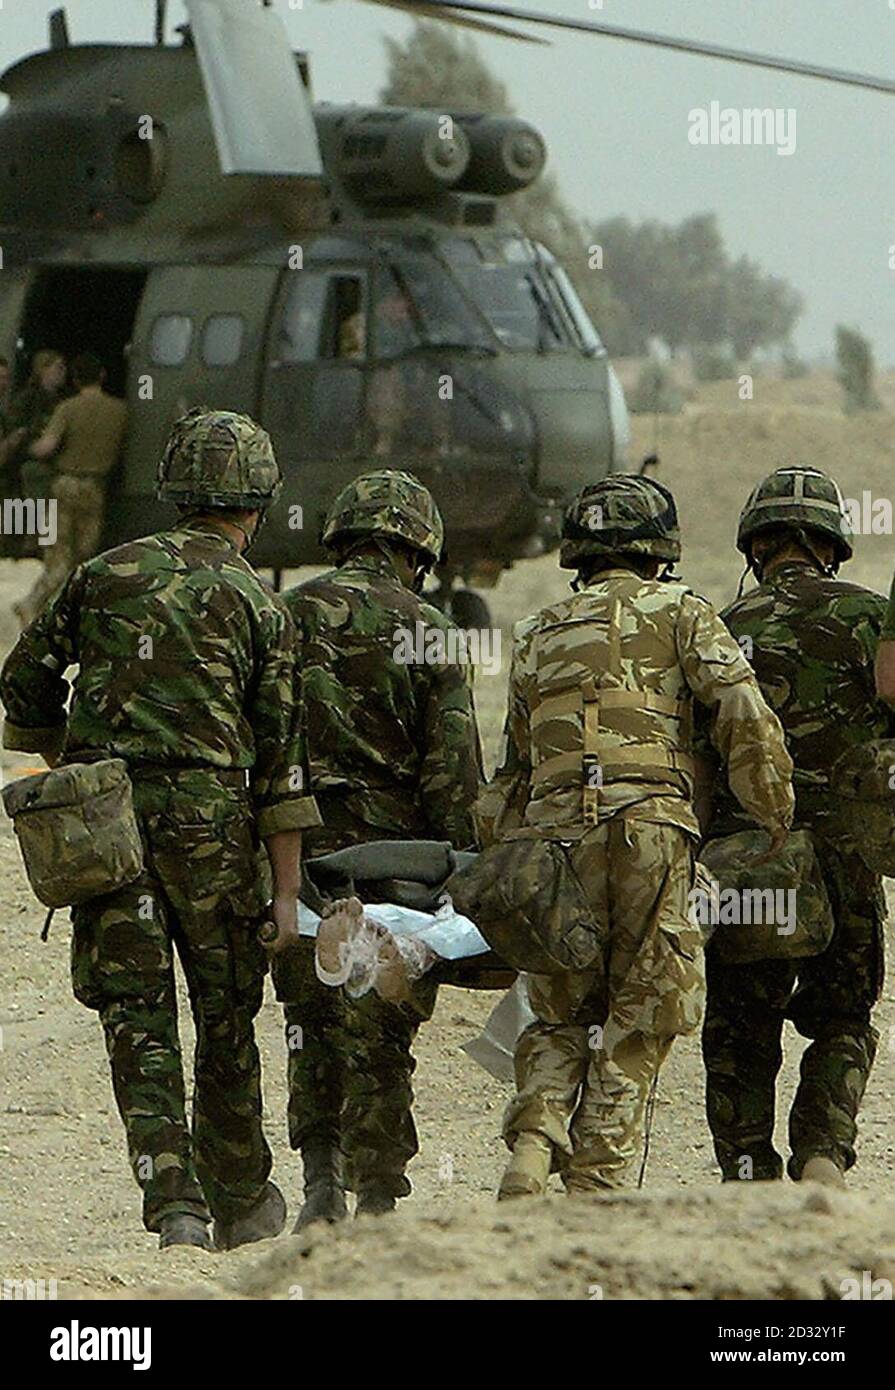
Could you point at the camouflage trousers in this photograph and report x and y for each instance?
(584, 1070)
(829, 998)
(79, 517)
(199, 893)
(350, 1068)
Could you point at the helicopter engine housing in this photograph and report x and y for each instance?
(395, 155)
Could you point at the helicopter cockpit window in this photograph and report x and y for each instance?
(418, 303)
(508, 286)
(395, 318)
(222, 340)
(169, 341)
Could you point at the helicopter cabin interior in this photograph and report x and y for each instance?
(77, 309)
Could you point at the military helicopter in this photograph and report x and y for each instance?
(347, 274)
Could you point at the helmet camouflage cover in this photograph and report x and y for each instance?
(622, 514)
(217, 458)
(386, 503)
(797, 498)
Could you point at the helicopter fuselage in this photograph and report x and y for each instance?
(419, 330)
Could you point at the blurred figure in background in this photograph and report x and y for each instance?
(83, 438)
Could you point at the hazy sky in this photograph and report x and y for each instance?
(615, 117)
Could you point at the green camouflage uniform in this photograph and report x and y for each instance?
(598, 744)
(811, 640)
(187, 671)
(393, 753)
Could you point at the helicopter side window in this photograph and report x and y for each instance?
(299, 332)
(222, 339)
(169, 340)
(323, 318)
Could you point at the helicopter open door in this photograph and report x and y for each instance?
(198, 340)
(78, 309)
(16, 285)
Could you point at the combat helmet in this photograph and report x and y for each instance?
(803, 500)
(386, 503)
(217, 458)
(622, 514)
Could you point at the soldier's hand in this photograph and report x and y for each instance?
(284, 915)
(778, 840)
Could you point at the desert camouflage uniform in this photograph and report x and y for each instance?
(187, 671)
(584, 1070)
(393, 752)
(811, 640)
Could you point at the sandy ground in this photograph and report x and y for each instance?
(70, 1212)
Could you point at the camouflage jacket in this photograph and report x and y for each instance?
(394, 740)
(625, 634)
(811, 641)
(186, 660)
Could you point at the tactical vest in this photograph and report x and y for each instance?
(610, 703)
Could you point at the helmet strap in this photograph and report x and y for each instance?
(827, 569)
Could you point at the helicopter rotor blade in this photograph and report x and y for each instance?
(260, 111)
(452, 10)
(425, 10)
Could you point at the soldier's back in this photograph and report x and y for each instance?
(365, 701)
(618, 634)
(169, 629)
(811, 640)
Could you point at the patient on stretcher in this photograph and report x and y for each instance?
(360, 954)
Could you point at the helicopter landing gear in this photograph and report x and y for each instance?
(468, 609)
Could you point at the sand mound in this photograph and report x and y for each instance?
(745, 1242)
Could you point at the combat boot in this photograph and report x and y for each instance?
(324, 1194)
(180, 1228)
(267, 1218)
(823, 1170)
(528, 1170)
(373, 1200)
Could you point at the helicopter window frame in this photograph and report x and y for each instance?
(233, 352)
(160, 356)
(309, 325)
(560, 284)
(388, 283)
